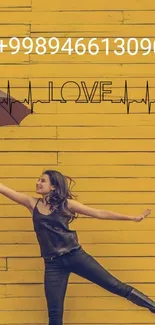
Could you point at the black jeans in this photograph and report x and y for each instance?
(56, 276)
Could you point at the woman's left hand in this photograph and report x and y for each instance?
(142, 216)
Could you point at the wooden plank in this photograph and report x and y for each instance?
(76, 19)
(80, 71)
(44, 105)
(77, 71)
(16, 71)
(89, 120)
(110, 158)
(89, 27)
(113, 197)
(97, 5)
(19, 58)
(15, 237)
(110, 31)
(15, 5)
(120, 316)
(114, 236)
(144, 17)
(28, 132)
(27, 171)
(3, 267)
(100, 58)
(87, 70)
(117, 184)
(110, 171)
(100, 132)
(107, 107)
(16, 211)
(93, 224)
(35, 158)
(80, 145)
(3, 291)
(8, 224)
(22, 30)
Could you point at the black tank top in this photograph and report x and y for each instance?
(53, 234)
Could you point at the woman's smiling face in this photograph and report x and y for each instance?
(43, 185)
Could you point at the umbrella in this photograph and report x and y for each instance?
(12, 111)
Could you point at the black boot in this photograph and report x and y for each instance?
(140, 299)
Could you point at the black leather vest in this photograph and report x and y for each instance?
(53, 233)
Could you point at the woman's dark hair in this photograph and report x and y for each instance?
(58, 197)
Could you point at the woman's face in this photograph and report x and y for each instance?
(43, 185)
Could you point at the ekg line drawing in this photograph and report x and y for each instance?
(13, 111)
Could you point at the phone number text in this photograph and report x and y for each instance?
(41, 46)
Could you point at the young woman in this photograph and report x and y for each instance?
(59, 246)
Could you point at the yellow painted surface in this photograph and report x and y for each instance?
(110, 154)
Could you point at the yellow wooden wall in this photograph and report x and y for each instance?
(110, 155)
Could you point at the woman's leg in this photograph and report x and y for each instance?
(55, 285)
(86, 266)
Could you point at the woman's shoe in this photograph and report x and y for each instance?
(140, 299)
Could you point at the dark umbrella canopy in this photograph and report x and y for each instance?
(12, 111)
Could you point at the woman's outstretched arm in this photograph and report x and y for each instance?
(78, 207)
(21, 198)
